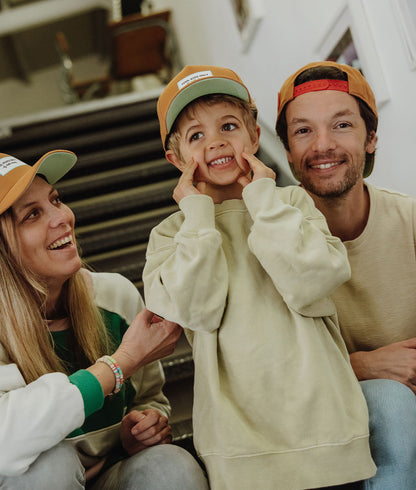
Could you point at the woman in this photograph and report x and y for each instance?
(70, 412)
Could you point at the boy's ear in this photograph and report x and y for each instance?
(172, 158)
(256, 139)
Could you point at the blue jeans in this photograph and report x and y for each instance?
(392, 411)
(164, 467)
(57, 468)
(392, 416)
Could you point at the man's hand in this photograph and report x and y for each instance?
(185, 186)
(257, 167)
(140, 430)
(395, 361)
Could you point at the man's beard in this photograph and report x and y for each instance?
(323, 189)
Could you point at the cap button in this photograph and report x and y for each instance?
(324, 84)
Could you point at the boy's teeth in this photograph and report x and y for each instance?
(221, 160)
(60, 242)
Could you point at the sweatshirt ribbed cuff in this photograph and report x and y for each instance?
(199, 211)
(91, 390)
(258, 194)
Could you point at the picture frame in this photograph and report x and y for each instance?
(406, 16)
(349, 40)
(247, 14)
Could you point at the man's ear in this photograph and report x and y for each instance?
(291, 166)
(172, 158)
(288, 156)
(371, 142)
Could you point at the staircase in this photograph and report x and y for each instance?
(119, 189)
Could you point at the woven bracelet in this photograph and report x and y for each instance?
(118, 373)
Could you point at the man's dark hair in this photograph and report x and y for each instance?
(331, 73)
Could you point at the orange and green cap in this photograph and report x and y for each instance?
(192, 82)
(16, 176)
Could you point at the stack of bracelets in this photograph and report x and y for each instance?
(118, 373)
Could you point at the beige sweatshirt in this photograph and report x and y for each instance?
(377, 306)
(277, 405)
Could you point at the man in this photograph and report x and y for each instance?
(327, 121)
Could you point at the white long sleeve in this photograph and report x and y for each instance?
(34, 417)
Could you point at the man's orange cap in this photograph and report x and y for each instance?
(356, 85)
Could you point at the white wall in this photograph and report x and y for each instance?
(287, 38)
(19, 98)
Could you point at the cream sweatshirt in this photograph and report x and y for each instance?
(277, 405)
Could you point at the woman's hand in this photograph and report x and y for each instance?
(140, 430)
(148, 339)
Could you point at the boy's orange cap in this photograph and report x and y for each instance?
(192, 82)
(357, 85)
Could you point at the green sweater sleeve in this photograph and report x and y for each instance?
(90, 389)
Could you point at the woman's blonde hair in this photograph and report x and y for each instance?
(24, 332)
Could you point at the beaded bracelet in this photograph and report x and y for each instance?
(118, 373)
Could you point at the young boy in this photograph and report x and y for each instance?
(247, 268)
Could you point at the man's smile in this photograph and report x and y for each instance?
(323, 166)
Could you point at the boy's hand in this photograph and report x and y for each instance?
(140, 430)
(185, 186)
(258, 169)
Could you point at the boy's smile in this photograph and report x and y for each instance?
(214, 135)
(220, 161)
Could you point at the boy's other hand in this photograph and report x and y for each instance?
(185, 186)
(258, 170)
(140, 430)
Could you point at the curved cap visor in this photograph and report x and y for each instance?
(16, 176)
(206, 86)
